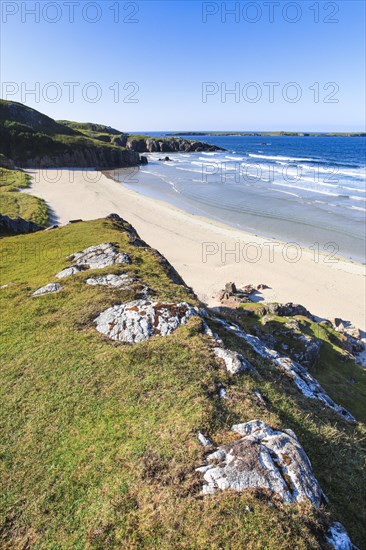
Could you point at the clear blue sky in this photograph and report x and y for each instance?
(170, 51)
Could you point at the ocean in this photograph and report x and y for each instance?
(308, 190)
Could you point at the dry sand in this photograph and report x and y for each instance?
(208, 254)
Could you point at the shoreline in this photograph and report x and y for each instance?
(206, 253)
(153, 188)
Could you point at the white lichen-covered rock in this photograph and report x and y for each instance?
(223, 393)
(141, 319)
(338, 538)
(118, 281)
(263, 458)
(205, 442)
(304, 381)
(100, 256)
(210, 333)
(234, 362)
(68, 271)
(48, 289)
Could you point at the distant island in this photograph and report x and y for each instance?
(271, 134)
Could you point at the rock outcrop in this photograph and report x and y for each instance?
(353, 342)
(263, 458)
(48, 289)
(301, 377)
(230, 296)
(145, 144)
(141, 319)
(338, 538)
(100, 256)
(68, 271)
(17, 226)
(287, 310)
(96, 157)
(117, 281)
(234, 362)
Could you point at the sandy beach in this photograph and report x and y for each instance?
(208, 254)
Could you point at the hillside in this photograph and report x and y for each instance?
(29, 139)
(140, 143)
(122, 401)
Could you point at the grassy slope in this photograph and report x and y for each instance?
(99, 439)
(15, 204)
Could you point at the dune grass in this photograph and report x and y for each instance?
(99, 439)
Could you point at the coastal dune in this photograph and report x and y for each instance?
(208, 254)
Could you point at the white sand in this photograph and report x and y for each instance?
(327, 289)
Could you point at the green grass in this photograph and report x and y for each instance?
(99, 439)
(12, 180)
(15, 204)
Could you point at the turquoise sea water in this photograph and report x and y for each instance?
(299, 189)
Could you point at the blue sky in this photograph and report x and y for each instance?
(171, 50)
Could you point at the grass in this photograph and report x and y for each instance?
(99, 439)
(15, 204)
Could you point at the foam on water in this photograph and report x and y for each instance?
(304, 189)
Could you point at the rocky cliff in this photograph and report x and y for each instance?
(78, 157)
(17, 226)
(167, 145)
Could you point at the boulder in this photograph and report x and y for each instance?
(100, 256)
(141, 319)
(230, 288)
(234, 362)
(111, 280)
(48, 289)
(261, 286)
(17, 226)
(248, 289)
(223, 393)
(288, 310)
(353, 338)
(205, 442)
(263, 458)
(311, 352)
(68, 271)
(230, 296)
